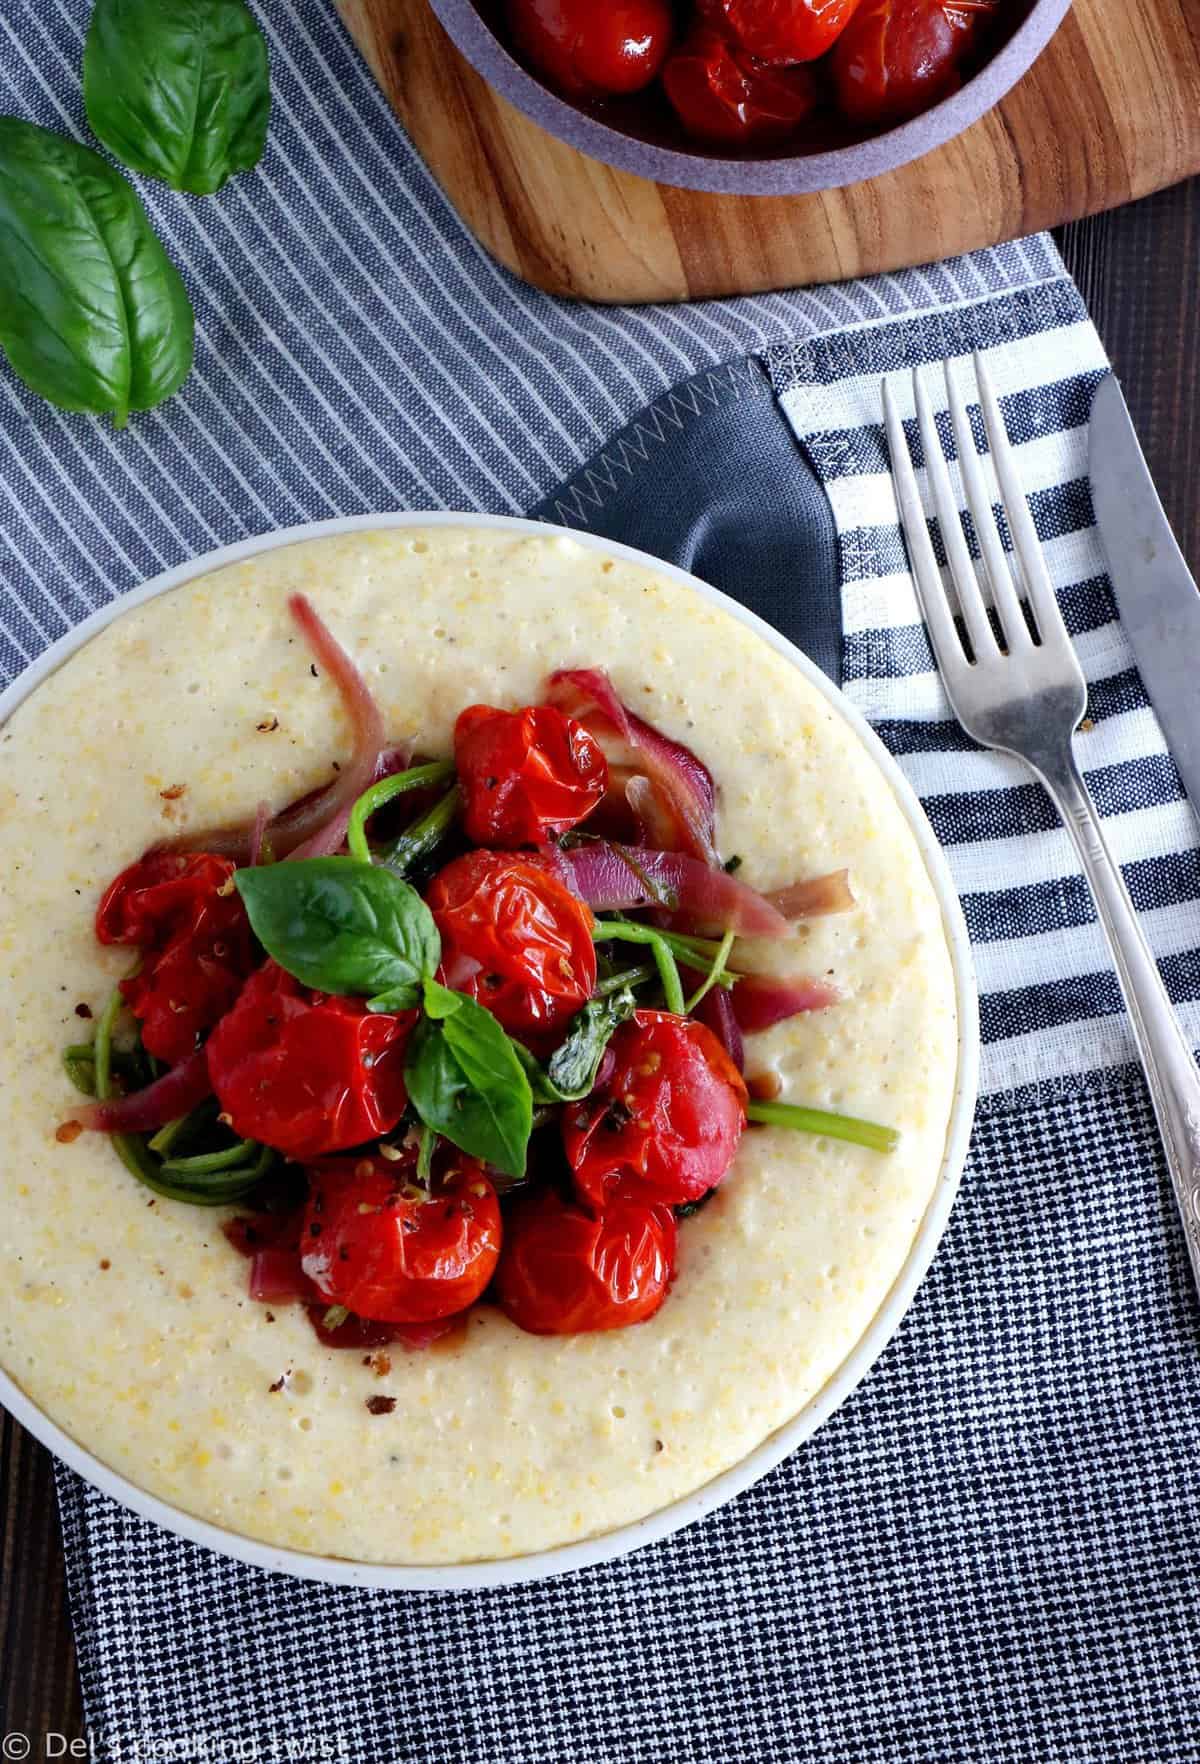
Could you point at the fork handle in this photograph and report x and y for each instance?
(1165, 1054)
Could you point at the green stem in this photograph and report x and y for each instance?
(426, 1141)
(421, 838)
(624, 931)
(693, 952)
(630, 977)
(848, 1127)
(102, 1045)
(166, 1137)
(210, 1163)
(710, 979)
(387, 790)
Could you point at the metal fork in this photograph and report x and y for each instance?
(1025, 695)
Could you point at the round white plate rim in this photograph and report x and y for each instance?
(589, 1552)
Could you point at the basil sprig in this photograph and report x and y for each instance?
(466, 1081)
(343, 926)
(93, 314)
(179, 89)
(571, 1072)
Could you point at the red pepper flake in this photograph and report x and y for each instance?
(381, 1405)
(68, 1131)
(173, 793)
(83, 1010)
(105, 1264)
(278, 1385)
(380, 1363)
(268, 727)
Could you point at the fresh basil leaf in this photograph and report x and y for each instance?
(571, 1073)
(180, 89)
(440, 1002)
(466, 1081)
(399, 998)
(345, 927)
(93, 314)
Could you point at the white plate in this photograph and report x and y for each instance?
(471, 1576)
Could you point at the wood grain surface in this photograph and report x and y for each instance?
(1137, 269)
(1110, 112)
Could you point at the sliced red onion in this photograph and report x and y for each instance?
(759, 1000)
(305, 827)
(258, 832)
(656, 823)
(612, 878)
(276, 1278)
(329, 838)
(606, 1068)
(684, 786)
(176, 1093)
(815, 897)
(716, 1012)
(366, 720)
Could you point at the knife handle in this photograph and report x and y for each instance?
(1165, 1053)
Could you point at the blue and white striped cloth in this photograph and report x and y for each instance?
(1050, 1006)
(993, 1550)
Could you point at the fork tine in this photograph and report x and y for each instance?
(966, 582)
(931, 593)
(979, 501)
(1028, 546)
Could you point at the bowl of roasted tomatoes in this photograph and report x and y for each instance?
(752, 97)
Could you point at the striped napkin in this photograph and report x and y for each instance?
(991, 1552)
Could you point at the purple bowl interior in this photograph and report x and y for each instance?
(641, 136)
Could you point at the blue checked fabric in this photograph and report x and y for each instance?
(992, 1552)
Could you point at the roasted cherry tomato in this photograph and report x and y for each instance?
(723, 93)
(305, 1072)
(182, 911)
(587, 49)
(897, 57)
(526, 776)
(781, 32)
(374, 1242)
(563, 1272)
(667, 1121)
(514, 938)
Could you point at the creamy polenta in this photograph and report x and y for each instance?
(126, 1318)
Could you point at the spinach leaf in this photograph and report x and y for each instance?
(571, 1073)
(93, 314)
(466, 1081)
(342, 926)
(180, 89)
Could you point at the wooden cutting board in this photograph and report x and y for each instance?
(1110, 112)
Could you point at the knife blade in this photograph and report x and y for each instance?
(1156, 594)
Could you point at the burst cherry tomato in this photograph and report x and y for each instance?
(897, 57)
(587, 49)
(184, 914)
(563, 1272)
(781, 32)
(515, 939)
(305, 1072)
(373, 1242)
(667, 1121)
(723, 93)
(526, 776)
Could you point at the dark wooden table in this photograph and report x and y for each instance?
(1137, 269)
